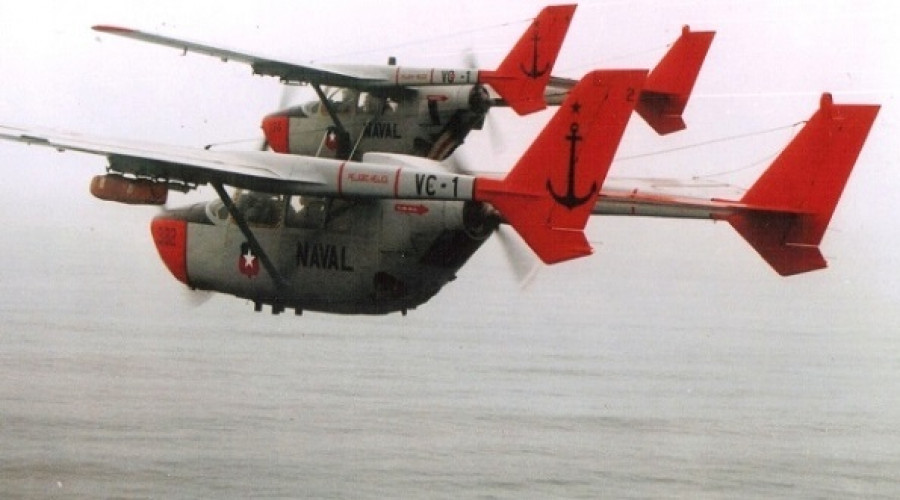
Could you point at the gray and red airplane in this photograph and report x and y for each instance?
(354, 211)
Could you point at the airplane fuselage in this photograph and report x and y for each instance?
(371, 257)
(428, 122)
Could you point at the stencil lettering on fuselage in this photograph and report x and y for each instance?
(382, 130)
(323, 256)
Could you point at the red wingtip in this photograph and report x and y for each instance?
(106, 28)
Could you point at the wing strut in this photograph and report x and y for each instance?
(343, 137)
(280, 284)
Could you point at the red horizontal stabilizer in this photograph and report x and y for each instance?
(523, 75)
(765, 231)
(790, 205)
(548, 196)
(105, 28)
(669, 85)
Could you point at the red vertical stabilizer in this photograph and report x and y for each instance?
(669, 85)
(790, 205)
(522, 77)
(549, 194)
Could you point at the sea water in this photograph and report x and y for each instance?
(603, 379)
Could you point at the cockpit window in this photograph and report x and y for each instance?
(351, 101)
(343, 100)
(260, 209)
(314, 212)
(217, 210)
(306, 212)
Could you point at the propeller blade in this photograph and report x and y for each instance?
(495, 134)
(459, 162)
(288, 96)
(196, 298)
(285, 99)
(498, 144)
(470, 59)
(522, 260)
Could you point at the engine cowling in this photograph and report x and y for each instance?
(475, 99)
(479, 219)
(479, 100)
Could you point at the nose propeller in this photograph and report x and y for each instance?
(276, 126)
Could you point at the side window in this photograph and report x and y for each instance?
(260, 209)
(374, 105)
(391, 106)
(370, 104)
(216, 210)
(343, 101)
(312, 212)
(306, 212)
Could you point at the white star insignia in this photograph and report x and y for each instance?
(249, 258)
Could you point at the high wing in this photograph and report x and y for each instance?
(520, 79)
(174, 165)
(363, 77)
(382, 176)
(183, 168)
(544, 197)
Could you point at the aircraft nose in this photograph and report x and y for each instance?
(276, 127)
(170, 237)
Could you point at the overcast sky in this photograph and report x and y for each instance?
(767, 67)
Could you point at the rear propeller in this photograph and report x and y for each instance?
(522, 261)
(495, 138)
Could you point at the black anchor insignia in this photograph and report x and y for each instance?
(570, 200)
(534, 73)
